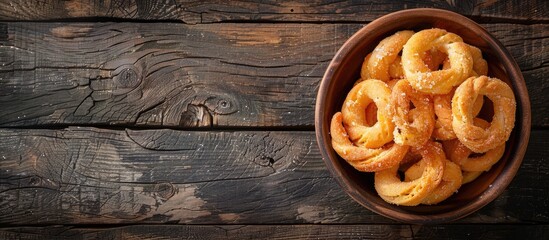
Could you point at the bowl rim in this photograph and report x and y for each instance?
(510, 169)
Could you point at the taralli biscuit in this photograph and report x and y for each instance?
(364, 69)
(476, 138)
(386, 52)
(354, 114)
(460, 154)
(362, 158)
(451, 181)
(413, 127)
(443, 112)
(415, 119)
(410, 193)
(434, 59)
(480, 66)
(395, 69)
(439, 81)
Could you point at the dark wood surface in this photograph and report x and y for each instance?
(132, 119)
(302, 231)
(173, 75)
(195, 12)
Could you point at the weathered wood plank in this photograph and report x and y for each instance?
(103, 176)
(164, 74)
(355, 231)
(213, 232)
(479, 231)
(280, 11)
(211, 75)
(97, 176)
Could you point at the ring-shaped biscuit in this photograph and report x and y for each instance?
(480, 66)
(451, 181)
(362, 158)
(476, 138)
(395, 69)
(384, 54)
(434, 58)
(410, 193)
(354, 114)
(413, 127)
(440, 81)
(460, 154)
(443, 112)
(371, 109)
(364, 68)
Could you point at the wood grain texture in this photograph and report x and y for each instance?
(164, 74)
(280, 11)
(104, 176)
(215, 232)
(280, 232)
(478, 231)
(96, 176)
(210, 75)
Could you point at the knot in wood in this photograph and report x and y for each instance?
(126, 76)
(222, 104)
(264, 160)
(164, 190)
(35, 181)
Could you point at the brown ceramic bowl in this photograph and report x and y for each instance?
(344, 70)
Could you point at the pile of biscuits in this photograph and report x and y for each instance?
(414, 118)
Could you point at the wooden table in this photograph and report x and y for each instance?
(136, 119)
